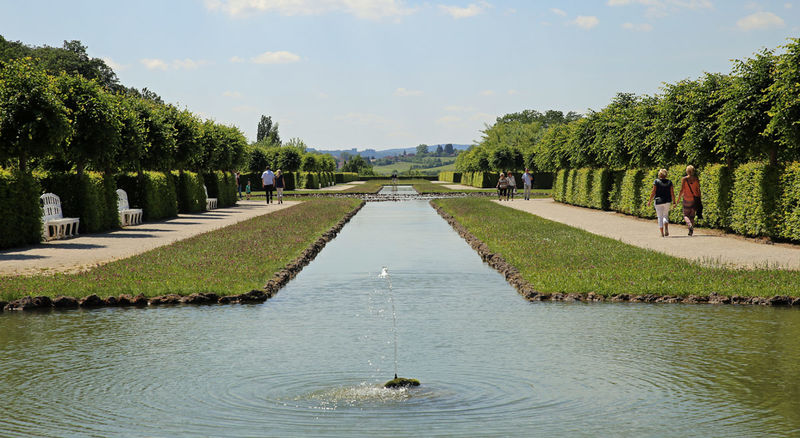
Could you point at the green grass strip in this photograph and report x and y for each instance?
(228, 261)
(554, 257)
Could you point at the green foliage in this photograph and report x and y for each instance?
(784, 97)
(560, 185)
(358, 165)
(599, 185)
(453, 177)
(480, 179)
(754, 195)
(569, 194)
(716, 183)
(345, 177)
(675, 173)
(648, 176)
(91, 197)
(159, 197)
(789, 203)
(226, 189)
(310, 180)
(268, 132)
(33, 120)
(631, 192)
(190, 194)
(615, 190)
(310, 163)
(21, 221)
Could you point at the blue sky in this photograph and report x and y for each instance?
(397, 73)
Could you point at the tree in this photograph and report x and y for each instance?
(133, 135)
(505, 158)
(33, 120)
(290, 159)
(96, 124)
(439, 150)
(357, 164)
(422, 150)
(188, 132)
(267, 131)
(160, 146)
(448, 149)
(784, 96)
(310, 163)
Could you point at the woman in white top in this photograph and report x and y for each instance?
(502, 186)
(512, 186)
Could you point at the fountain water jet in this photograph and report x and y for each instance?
(397, 382)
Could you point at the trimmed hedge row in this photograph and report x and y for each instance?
(345, 177)
(21, 221)
(484, 180)
(754, 199)
(453, 177)
(92, 197)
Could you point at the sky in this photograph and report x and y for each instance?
(381, 74)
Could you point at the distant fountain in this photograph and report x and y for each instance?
(397, 382)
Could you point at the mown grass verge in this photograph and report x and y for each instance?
(555, 258)
(228, 261)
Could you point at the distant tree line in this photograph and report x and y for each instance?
(749, 114)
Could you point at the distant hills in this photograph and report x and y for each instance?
(368, 153)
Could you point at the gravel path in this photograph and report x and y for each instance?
(710, 247)
(89, 250)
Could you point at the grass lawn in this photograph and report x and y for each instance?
(229, 261)
(554, 257)
(404, 166)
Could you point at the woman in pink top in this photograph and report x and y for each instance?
(690, 192)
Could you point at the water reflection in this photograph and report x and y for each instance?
(311, 360)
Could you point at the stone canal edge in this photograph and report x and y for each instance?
(280, 279)
(527, 290)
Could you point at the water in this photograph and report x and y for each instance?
(397, 190)
(311, 361)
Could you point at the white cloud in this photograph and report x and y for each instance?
(487, 93)
(232, 94)
(642, 27)
(448, 120)
(470, 11)
(483, 117)
(114, 66)
(402, 92)
(281, 57)
(558, 12)
(787, 5)
(585, 22)
(237, 59)
(759, 21)
(660, 8)
(177, 64)
(458, 108)
(366, 9)
(154, 64)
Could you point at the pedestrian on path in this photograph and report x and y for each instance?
(690, 192)
(268, 182)
(247, 189)
(279, 185)
(527, 182)
(502, 186)
(512, 186)
(238, 185)
(664, 194)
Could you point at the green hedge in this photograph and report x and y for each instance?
(755, 191)
(560, 185)
(599, 186)
(716, 185)
(572, 180)
(226, 189)
(453, 177)
(159, 199)
(345, 177)
(789, 203)
(21, 221)
(630, 196)
(90, 197)
(190, 194)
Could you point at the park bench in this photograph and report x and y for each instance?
(127, 215)
(211, 203)
(54, 224)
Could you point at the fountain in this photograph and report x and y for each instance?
(397, 382)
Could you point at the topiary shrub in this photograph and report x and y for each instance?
(560, 186)
(630, 192)
(615, 189)
(753, 200)
(91, 197)
(675, 174)
(189, 192)
(599, 186)
(789, 203)
(345, 177)
(226, 188)
(21, 221)
(716, 185)
(159, 197)
(453, 177)
(569, 194)
(582, 186)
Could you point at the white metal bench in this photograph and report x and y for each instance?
(54, 224)
(127, 215)
(211, 203)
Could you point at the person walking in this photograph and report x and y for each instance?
(279, 185)
(502, 186)
(238, 185)
(527, 182)
(690, 193)
(268, 182)
(664, 194)
(512, 185)
(247, 189)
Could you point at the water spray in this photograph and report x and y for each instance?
(397, 382)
